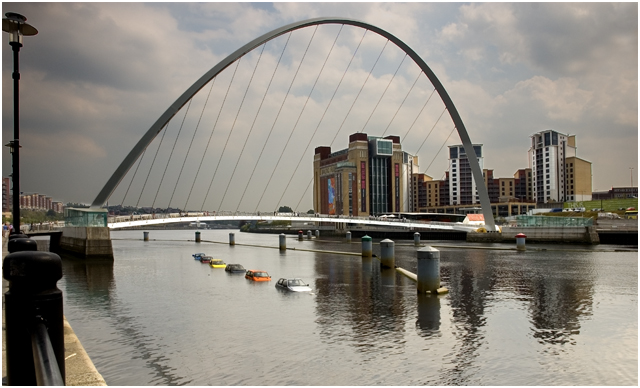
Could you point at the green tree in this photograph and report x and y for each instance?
(285, 209)
(311, 211)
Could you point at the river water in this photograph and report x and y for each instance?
(155, 316)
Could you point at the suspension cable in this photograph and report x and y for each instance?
(164, 132)
(360, 91)
(214, 128)
(383, 93)
(278, 115)
(432, 128)
(171, 154)
(264, 145)
(442, 146)
(336, 90)
(133, 177)
(205, 151)
(402, 103)
(298, 119)
(250, 130)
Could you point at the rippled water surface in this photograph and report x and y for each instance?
(155, 316)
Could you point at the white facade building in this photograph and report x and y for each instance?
(462, 186)
(547, 155)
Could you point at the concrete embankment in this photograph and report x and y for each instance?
(79, 368)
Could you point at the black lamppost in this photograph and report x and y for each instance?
(15, 24)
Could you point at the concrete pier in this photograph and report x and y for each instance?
(87, 242)
(232, 239)
(282, 242)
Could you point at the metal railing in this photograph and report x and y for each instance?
(44, 358)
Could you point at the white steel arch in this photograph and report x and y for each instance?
(148, 137)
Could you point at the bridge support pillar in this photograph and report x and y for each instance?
(232, 239)
(146, 236)
(283, 242)
(197, 237)
(367, 246)
(387, 253)
(87, 242)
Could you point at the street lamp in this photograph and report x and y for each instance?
(15, 24)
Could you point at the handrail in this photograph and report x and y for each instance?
(44, 358)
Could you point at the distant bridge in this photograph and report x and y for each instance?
(119, 222)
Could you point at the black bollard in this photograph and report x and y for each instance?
(20, 243)
(32, 298)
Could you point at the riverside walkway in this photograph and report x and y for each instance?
(79, 368)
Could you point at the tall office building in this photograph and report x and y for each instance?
(370, 177)
(558, 175)
(462, 186)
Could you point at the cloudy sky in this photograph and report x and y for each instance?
(98, 75)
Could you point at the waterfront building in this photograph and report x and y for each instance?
(552, 159)
(523, 185)
(616, 193)
(462, 187)
(370, 177)
(6, 195)
(579, 175)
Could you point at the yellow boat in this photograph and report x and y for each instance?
(217, 263)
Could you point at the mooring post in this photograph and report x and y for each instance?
(32, 298)
(197, 237)
(146, 236)
(416, 239)
(367, 246)
(429, 271)
(387, 253)
(283, 242)
(317, 233)
(348, 236)
(232, 239)
(520, 243)
(308, 234)
(299, 235)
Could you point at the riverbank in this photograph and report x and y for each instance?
(79, 368)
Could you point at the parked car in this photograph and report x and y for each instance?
(197, 256)
(217, 263)
(205, 259)
(257, 275)
(296, 285)
(235, 268)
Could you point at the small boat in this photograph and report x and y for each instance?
(217, 263)
(197, 256)
(205, 259)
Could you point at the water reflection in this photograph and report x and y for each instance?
(92, 285)
(428, 321)
(360, 303)
(156, 317)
